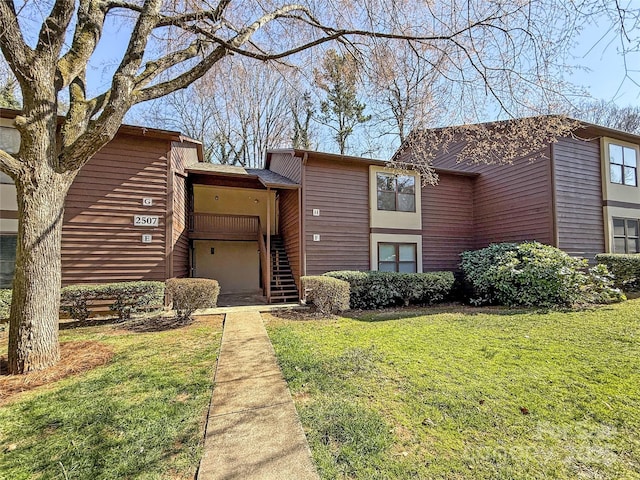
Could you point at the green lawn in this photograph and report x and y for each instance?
(139, 416)
(468, 393)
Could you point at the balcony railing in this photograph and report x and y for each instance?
(224, 225)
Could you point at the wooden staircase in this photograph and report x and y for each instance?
(283, 285)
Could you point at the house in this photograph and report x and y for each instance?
(583, 197)
(125, 214)
(148, 207)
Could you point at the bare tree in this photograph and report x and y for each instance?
(509, 46)
(235, 120)
(608, 114)
(409, 93)
(302, 111)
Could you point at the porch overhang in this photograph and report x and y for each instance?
(235, 176)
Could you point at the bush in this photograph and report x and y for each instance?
(127, 297)
(190, 294)
(532, 274)
(624, 268)
(5, 303)
(385, 289)
(329, 295)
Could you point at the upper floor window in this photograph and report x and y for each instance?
(626, 235)
(396, 192)
(623, 166)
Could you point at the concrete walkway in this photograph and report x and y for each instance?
(253, 431)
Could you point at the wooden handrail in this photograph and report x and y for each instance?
(216, 222)
(265, 261)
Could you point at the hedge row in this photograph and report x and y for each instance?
(624, 268)
(127, 298)
(328, 295)
(386, 289)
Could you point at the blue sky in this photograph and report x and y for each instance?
(598, 50)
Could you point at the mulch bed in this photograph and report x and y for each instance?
(75, 357)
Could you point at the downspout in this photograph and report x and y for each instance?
(303, 221)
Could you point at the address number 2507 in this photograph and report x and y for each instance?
(146, 220)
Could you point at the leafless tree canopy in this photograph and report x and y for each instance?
(608, 114)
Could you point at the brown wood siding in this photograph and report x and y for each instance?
(182, 153)
(579, 197)
(287, 165)
(341, 191)
(447, 222)
(511, 202)
(290, 230)
(99, 242)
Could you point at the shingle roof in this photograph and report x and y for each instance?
(266, 177)
(271, 179)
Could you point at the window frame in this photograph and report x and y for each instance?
(396, 191)
(397, 261)
(623, 165)
(626, 237)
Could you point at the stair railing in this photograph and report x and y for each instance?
(265, 258)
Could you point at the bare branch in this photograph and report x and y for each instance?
(14, 48)
(90, 23)
(9, 164)
(52, 33)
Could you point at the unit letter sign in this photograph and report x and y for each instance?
(146, 220)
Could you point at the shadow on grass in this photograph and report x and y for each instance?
(399, 313)
(155, 324)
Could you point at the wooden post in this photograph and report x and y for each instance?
(268, 265)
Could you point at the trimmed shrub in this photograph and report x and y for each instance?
(531, 274)
(127, 297)
(190, 294)
(329, 295)
(373, 289)
(135, 297)
(5, 303)
(624, 268)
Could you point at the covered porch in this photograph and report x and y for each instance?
(233, 228)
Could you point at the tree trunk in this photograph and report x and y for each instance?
(35, 305)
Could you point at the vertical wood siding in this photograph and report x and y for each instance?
(447, 222)
(290, 229)
(341, 191)
(579, 197)
(511, 202)
(99, 241)
(182, 153)
(287, 165)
